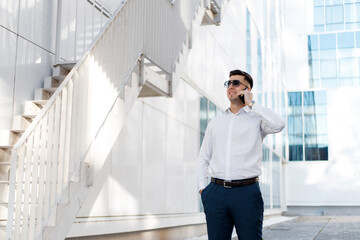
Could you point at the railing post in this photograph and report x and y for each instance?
(58, 32)
(11, 200)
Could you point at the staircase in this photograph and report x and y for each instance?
(49, 159)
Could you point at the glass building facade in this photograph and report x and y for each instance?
(307, 126)
(334, 56)
(334, 62)
(262, 59)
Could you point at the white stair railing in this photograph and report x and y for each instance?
(49, 153)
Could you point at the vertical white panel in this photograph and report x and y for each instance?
(9, 10)
(38, 22)
(98, 200)
(97, 21)
(174, 167)
(33, 65)
(153, 184)
(67, 29)
(89, 18)
(80, 28)
(126, 166)
(7, 71)
(191, 146)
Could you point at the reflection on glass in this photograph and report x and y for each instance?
(346, 40)
(328, 41)
(347, 67)
(313, 42)
(203, 114)
(328, 68)
(334, 14)
(276, 167)
(319, 15)
(266, 177)
(248, 42)
(315, 126)
(358, 39)
(295, 129)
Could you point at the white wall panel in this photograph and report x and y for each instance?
(9, 10)
(191, 149)
(7, 72)
(98, 200)
(32, 66)
(38, 22)
(67, 29)
(174, 167)
(153, 168)
(126, 166)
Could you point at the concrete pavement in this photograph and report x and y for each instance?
(309, 228)
(315, 228)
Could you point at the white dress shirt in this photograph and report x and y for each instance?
(232, 146)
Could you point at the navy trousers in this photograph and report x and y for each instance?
(242, 207)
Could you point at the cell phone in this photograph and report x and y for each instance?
(241, 96)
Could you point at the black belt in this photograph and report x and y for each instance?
(235, 183)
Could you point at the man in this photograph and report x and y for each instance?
(232, 149)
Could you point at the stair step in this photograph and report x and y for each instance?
(21, 122)
(6, 146)
(31, 108)
(10, 137)
(40, 102)
(63, 68)
(5, 154)
(4, 171)
(53, 81)
(44, 93)
(30, 116)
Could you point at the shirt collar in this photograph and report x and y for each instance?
(245, 109)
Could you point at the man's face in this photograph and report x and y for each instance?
(233, 91)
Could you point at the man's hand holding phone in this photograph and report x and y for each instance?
(246, 95)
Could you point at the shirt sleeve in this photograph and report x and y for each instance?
(204, 158)
(271, 122)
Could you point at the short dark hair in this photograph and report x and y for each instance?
(242, 73)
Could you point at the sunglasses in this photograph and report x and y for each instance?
(235, 83)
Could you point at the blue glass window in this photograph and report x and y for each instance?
(266, 177)
(334, 14)
(315, 128)
(328, 68)
(349, 13)
(357, 10)
(347, 67)
(313, 42)
(358, 39)
(314, 69)
(318, 15)
(318, 3)
(276, 168)
(328, 41)
(333, 2)
(346, 40)
(259, 83)
(295, 126)
(248, 42)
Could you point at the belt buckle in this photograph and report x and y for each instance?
(225, 186)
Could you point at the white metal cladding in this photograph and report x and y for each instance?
(32, 66)
(9, 10)
(60, 138)
(37, 22)
(80, 21)
(7, 71)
